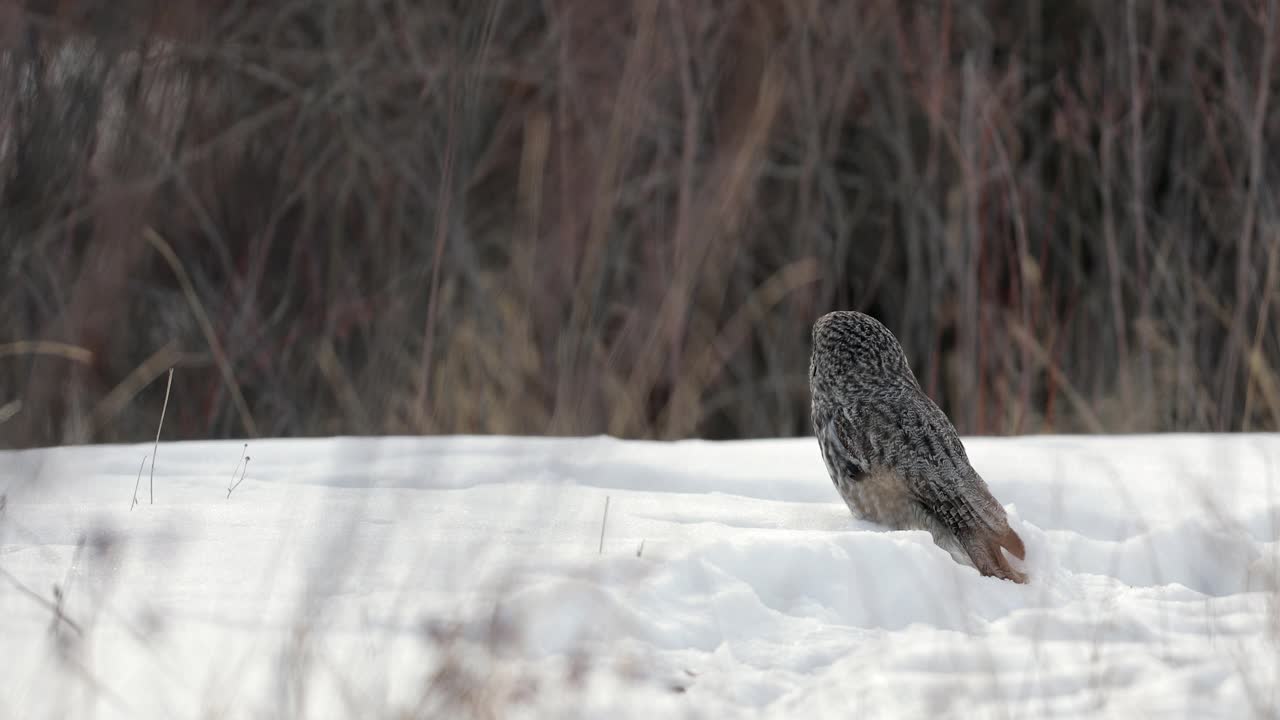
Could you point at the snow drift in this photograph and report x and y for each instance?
(466, 576)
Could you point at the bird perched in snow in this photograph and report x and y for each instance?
(892, 453)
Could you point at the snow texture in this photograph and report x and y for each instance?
(457, 576)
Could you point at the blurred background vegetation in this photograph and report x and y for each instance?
(622, 216)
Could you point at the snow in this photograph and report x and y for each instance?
(454, 576)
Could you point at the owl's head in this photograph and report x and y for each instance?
(851, 348)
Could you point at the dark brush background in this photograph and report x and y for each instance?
(591, 216)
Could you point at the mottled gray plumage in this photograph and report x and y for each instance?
(893, 455)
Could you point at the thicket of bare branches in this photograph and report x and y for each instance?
(351, 216)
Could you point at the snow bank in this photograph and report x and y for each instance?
(453, 576)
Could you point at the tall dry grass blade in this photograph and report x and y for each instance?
(47, 347)
(604, 521)
(138, 483)
(206, 326)
(9, 410)
(119, 396)
(156, 449)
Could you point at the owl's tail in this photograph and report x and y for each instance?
(984, 546)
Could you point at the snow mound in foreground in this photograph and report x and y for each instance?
(464, 575)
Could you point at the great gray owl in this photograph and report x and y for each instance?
(892, 453)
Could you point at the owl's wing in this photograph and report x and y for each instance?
(956, 496)
(941, 479)
(839, 449)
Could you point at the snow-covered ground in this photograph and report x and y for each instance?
(450, 577)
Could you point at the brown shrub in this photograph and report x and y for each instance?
(583, 217)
